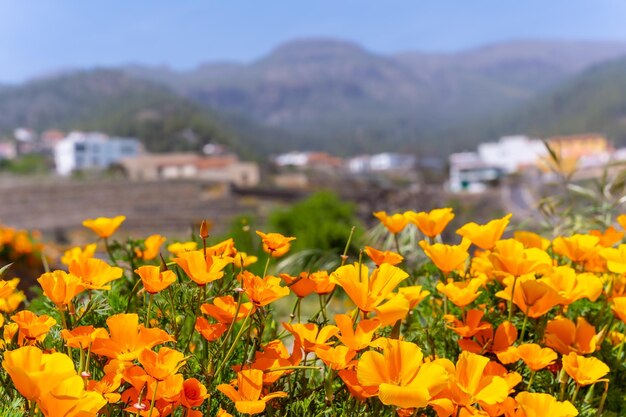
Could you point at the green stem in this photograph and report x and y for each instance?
(153, 398)
(603, 399)
(575, 394)
(148, 310)
(232, 346)
(267, 265)
(521, 338)
(511, 300)
(530, 381)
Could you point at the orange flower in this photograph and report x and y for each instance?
(247, 396)
(35, 373)
(336, 358)
(447, 258)
(485, 236)
(619, 307)
(356, 338)
(531, 240)
(159, 365)
(564, 336)
(275, 244)
(585, 371)
(532, 296)
(400, 375)
(310, 337)
(301, 286)
(60, 287)
(127, 338)
(177, 248)
(33, 327)
(380, 257)
(536, 357)
(223, 309)
(104, 226)
(369, 292)
(572, 286)
(615, 258)
(201, 269)
(609, 238)
(83, 336)
(413, 294)
(152, 246)
(194, 393)
(243, 260)
(323, 284)
(154, 280)
(224, 248)
(461, 293)
(470, 325)
(541, 405)
(432, 223)
(510, 257)
(78, 253)
(358, 391)
(69, 398)
(274, 355)
(621, 220)
(577, 248)
(394, 223)
(210, 332)
(262, 291)
(95, 273)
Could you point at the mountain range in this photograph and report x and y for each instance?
(335, 95)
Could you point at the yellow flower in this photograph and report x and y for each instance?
(541, 405)
(432, 223)
(485, 236)
(152, 246)
(461, 293)
(615, 258)
(394, 223)
(510, 257)
(60, 287)
(180, 247)
(585, 371)
(104, 226)
(447, 257)
(275, 244)
(577, 247)
(78, 253)
(531, 240)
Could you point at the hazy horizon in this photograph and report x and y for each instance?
(59, 35)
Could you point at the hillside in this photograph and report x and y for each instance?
(329, 93)
(115, 103)
(593, 101)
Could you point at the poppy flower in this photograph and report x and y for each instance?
(152, 246)
(380, 257)
(461, 293)
(618, 305)
(535, 356)
(194, 393)
(108, 386)
(310, 337)
(336, 358)
(531, 240)
(572, 286)
(78, 253)
(177, 248)
(369, 292)
(533, 297)
(323, 283)
(69, 398)
(540, 405)
(302, 285)
(275, 244)
(359, 337)
(60, 287)
(210, 332)
(485, 236)
(400, 375)
(432, 223)
(271, 356)
(262, 291)
(104, 226)
(585, 371)
(447, 258)
(394, 223)
(562, 335)
(577, 248)
(159, 365)
(82, 337)
(609, 237)
(472, 323)
(358, 391)
(510, 257)
(615, 258)
(153, 279)
(247, 397)
(223, 248)
(95, 273)
(243, 260)
(35, 373)
(223, 309)
(127, 338)
(200, 269)
(413, 294)
(33, 327)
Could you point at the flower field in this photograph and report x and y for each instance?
(489, 322)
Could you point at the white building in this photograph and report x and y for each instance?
(92, 150)
(468, 172)
(382, 162)
(512, 153)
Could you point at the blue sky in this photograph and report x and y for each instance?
(46, 35)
